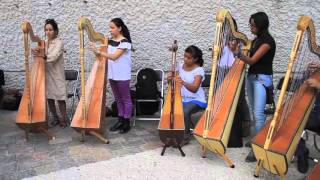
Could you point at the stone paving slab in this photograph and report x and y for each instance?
(150, 165)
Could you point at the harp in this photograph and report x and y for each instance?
(315, 173)
(90, 112)
(275, 145)
(32, 114)
(213, 128)
(171, 126)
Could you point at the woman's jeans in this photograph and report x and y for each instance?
(257, 95)
(188, 110)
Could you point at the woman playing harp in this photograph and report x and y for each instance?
(32, 115)
(213, 129)
(189, 76)
(119, 71)
(260, 71)
(275, 144)
(55, 75)
(90, 113)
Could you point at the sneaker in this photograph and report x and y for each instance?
(303, 164)
(118, 125)
(125, 127)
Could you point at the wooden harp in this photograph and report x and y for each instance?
(213, 129)
(171, 126)
(90, 113)
(276, 143)
(32, 114)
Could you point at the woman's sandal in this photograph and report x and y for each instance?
(54, 122)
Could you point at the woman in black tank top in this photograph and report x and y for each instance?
(260, 71)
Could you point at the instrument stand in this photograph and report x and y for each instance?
(93, 133)
(41, 129)
(167, 144)
(203, 151)
(258, 168)
(226, 159)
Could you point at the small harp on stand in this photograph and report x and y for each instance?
(276, 143)
(32, 114)
(90, 112)
(171, 126)
(213, 129)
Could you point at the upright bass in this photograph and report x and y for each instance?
(171, 126)
(90, 112)
(32, 112)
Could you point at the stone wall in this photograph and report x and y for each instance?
(153, 25)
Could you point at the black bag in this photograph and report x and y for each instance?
(147, 88)
(270, 94)
(1, 78)
(11, 100)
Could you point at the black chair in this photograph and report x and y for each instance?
(137, 102)
(73, 89)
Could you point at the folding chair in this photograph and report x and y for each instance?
(73, 90)
(137, 102)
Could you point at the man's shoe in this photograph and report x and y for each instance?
(250, 157)
(248, 144)
(303, 164)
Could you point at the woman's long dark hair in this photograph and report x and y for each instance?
(124, 29)
(196, 53)
(261, 21)
(54, 25)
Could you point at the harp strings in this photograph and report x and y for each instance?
(224, 62)
(300, 73)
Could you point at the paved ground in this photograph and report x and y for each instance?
(19, 159)
(131, 156)
(150, 165)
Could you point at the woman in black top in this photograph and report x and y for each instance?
(260, 71)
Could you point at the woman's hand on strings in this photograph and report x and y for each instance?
(169, 76)
(313, 83)
(179, 80)
(93, 48)
(37, 52)
(236, 50)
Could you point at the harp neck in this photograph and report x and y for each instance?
(28, 33)
(173, 84)
(84, 25)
